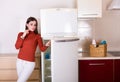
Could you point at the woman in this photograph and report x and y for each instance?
(27, 42)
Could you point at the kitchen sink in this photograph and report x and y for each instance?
(115, 54)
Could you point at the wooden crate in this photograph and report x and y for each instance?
(99, 51)
(8, 71)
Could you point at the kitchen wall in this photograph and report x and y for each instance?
(108, 27)
(105, 28)
(13, 11)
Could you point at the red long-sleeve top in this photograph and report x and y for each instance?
(28, 45)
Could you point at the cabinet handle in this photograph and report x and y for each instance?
(89, 14)
(69, 40)
(96, 64)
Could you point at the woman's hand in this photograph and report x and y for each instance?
(48, 43)
(24, 34)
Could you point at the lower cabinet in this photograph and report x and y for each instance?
(8, 71)
(96, 70)
(117, 70)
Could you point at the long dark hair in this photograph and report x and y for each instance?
(32, 19)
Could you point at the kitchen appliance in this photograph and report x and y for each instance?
(63, 64)
(59, 26)
(115, 5)
(58, 22)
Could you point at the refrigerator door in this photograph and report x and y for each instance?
(64, 63)
(46, 65)
(58, 22)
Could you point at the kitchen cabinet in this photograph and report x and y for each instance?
(96, 70)
(89, 8)
(117, 70)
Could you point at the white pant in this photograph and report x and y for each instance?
(24, 69)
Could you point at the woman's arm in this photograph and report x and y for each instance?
(41, 45)
(19, 41)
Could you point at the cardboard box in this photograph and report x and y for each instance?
(98, 51)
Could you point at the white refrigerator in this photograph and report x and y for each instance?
(59, 62)
(62, 65)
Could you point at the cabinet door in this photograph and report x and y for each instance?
(96, 71)
(117, 70)
(89, 8)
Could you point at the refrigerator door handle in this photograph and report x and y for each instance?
(67, 40)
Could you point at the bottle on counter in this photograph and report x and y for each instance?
(94, 43)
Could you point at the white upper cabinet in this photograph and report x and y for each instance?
(89, 8)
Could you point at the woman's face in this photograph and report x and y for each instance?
(32, 25)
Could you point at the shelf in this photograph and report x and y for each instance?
(47, 59)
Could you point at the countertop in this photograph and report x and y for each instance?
(110, 55)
